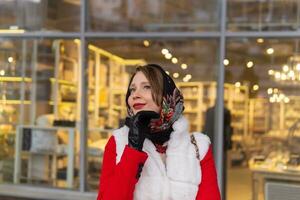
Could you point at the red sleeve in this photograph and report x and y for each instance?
(208, 188)
(117, 181)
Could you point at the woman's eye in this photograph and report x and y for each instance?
(131, 90)
(147, 87)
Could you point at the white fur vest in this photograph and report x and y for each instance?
(180, 177)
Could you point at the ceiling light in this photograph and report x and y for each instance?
(277, 75)
(76, 40)
(286, 100)
(250, 64)
(237, 84)
(283, 77)
(281, 96)
(168, 56)
(12, 31)
(255, 87)
(146, 43)
(260, 40)
(174, 60)
(271, 72)
(167, 72)
(226, 62)
(175, 75)
(291, 74)
(184, 66)
(298, 66)
(10, 59)
(270, 51)
(2, 72)
(285, 68)
(164, 51)
(270, 91)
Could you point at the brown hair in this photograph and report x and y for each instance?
(155, 78)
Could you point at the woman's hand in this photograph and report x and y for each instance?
(139, 128)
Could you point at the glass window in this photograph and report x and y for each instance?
(111, 63)
(38, 104)
(152, 15)
(39, 15)
(264, 114)
(256, 15)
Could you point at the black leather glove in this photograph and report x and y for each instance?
(139, 128)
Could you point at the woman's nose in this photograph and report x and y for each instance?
(136, 94)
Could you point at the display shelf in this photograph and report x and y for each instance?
(109, 78)
(291, 112)
(199, 96)
(13, 99)
(258, 116)
(236, 99)
(39, 160)
(63, 103)
(14, 102)
(64, 83)
(193, 92)
(14, 79)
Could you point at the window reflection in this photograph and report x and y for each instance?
(152, 15)
(36, 15)
(262, 15)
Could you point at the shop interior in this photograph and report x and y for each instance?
(40, 98)
(40, 81)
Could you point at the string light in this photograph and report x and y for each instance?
(250, 64)
(290, 72)
(164, 51)
(255, 87)
(2, 72)
(237, 84)
(10, 59)
(270, 51)
(184, 66)
(176, 75)
(168, 56)
(226, 62)
(260, 40)
(174, 60)
(277, 96)
(146, 43)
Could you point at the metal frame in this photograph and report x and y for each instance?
(218, 135)
(83, 86)
(84, 35)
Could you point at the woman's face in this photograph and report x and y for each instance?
(140, 97)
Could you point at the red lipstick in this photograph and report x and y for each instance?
(138, 106)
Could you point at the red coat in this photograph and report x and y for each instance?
(118, 181)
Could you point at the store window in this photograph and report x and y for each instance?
(17, 16)
(38, 112)
(274, 15)
(191, 63)
(265, 115)
(152, 15)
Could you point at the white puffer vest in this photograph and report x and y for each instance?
(180, 177)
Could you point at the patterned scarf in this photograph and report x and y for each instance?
(171, 109)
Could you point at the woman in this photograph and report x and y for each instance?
(153, 157)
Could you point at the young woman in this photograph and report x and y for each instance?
(154, 157)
